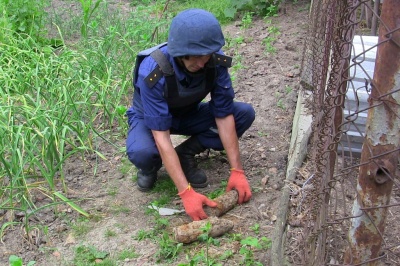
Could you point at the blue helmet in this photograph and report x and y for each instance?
(195, 32)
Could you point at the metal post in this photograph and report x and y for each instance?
(380, 151)
(374, 25)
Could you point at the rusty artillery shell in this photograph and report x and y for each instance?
(225, 203)
(190, 232)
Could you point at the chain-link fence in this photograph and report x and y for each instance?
(344, 205)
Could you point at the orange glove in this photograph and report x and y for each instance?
(193, 203)
(238, 181)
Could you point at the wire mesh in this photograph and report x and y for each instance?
(328, 203)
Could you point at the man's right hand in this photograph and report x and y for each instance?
(193, 203)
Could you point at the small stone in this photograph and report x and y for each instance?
(273, 170)
(276, 186)
(264, 181)
(61, 228)
(57, 254)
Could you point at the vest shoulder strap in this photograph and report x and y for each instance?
(165, 69)
(223, 60)
(153, 77)
(140, 57)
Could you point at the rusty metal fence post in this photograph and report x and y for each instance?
(380, 152)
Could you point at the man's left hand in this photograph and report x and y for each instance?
(238, 181)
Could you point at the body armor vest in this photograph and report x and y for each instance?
(180, 97)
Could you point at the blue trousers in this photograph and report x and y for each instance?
(142, 150)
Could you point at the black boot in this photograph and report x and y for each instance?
(186, 152)
(146, 180)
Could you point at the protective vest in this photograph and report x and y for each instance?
(179, 96)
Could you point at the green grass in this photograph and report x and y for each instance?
(110, 233)
(57, 103)
(81, 227)
(89, 255)
(129, 253)
(219, 191)
(216, 7)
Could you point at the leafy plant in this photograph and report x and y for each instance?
(205, 236)
(233, 42)
(247, 19)
(280, 104)
(87, 10)
(168, 249)
(271, 10)
(255, 228)
(236, 6)
(89, 255)
(248, 246)
(260, 7)
(262, 134)
(269, 45)
(288, 89)
(203, 256)
(269, 40)
(219, 191)
(143, 234)
(25, 17)
(160, 224)
(236, 67)
(17, 261)
(274, 31)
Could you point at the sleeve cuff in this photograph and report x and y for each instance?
(158, 123)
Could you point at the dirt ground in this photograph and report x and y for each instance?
(269, 82)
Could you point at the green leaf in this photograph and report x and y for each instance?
(230, 12)
(250, 241)
(71, 203)
(121, 110)
(98, 254)
(15, 260)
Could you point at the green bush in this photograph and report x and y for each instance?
(24, 17)
(259, 7)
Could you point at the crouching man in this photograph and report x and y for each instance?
(171, 81)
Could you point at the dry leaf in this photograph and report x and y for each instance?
(264, 181)
(70, 240)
